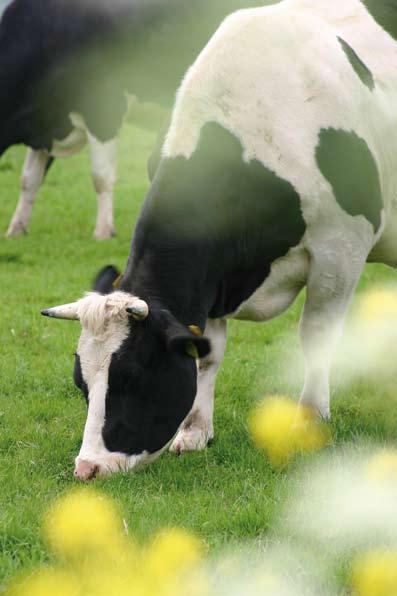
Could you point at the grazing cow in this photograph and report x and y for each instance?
(277, 172)
(65, 68)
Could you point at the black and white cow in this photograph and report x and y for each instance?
(278, 172)
(65, 68)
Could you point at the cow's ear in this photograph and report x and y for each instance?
(185, 342)
(180, 338)
(106, 280)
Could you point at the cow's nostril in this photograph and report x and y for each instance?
(85, 470)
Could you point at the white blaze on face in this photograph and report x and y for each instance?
(95, 356)
(105, 323)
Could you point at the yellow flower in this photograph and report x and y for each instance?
(47, 582)
(112, 581)
(173, 552)
(97, 558)
(283, 429)
(375, 574)
(379, 304)
(382, 467)
(83, 522)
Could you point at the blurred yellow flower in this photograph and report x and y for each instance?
(82, 522)
(379, 304)
(375, 574)
(47, 582)
(98, 559)
(382, 467)
(112, 581)
(173, 551)
(283, 428)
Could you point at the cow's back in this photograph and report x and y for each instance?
(294, 79)
(369, 26)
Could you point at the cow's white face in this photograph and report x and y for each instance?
(137, 378)
(106, 324)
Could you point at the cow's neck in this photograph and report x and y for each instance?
(210, 228)
(174, 279)
(194, 281)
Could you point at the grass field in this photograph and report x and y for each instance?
(225, 494)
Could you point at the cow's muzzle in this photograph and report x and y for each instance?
(85, 470)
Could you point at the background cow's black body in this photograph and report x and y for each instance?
(58, 57)
(63, 56)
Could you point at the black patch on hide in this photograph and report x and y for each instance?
(349, 166)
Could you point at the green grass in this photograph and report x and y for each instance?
(225, 494)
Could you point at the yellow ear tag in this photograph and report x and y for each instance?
(191, 350)
(117, 282)
(195, 330)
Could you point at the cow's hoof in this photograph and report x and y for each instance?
(191, 439)
(16, 229)
(104, 234)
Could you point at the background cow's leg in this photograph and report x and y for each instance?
(104, 172)
(198, 429)
(335, 268)
(32, 176)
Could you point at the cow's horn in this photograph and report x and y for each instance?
(66, 311)
(139, 310)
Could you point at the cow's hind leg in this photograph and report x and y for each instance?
(198, 429)
(104, 172)
(336, 262)
(33, 172)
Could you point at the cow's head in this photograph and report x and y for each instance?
(136, 368)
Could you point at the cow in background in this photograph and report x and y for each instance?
(66, 68)
(278, 172)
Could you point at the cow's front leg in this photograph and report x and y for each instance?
(104, 173)
(198, 428)
(335, 269)
(32, 177)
